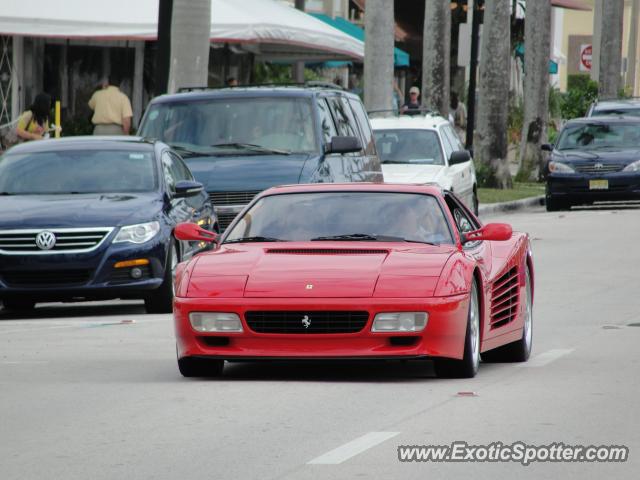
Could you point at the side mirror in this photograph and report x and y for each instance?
(460, 156)
(194, 233)
(492, 231)
(546, 147)
(187, 188)
(344, 145)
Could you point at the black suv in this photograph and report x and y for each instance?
(239, 141)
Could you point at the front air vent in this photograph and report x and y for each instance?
(505, 299)
(326, 251)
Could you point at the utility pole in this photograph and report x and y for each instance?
(163, 45)
(478, 13)
(298, 67)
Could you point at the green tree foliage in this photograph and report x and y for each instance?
(581, 93)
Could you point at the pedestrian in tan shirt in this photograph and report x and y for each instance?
(111, 110)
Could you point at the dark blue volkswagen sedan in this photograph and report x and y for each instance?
(90, 218)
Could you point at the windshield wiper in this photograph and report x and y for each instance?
(254, 239)
(186, 151)
(362, 237)
(421, 241)
(252, 147)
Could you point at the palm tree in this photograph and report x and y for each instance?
(190, 33)
(378, 55)
(537, 40)
(493, 108)
(610, 78)
(436, 55)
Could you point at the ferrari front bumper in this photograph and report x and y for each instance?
(443, 336)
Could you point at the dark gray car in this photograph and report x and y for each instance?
(240, 141)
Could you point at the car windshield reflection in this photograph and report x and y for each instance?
(344, 216)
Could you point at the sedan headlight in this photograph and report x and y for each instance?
(632, 167)
(559, 167)
(215, 322)
(140, 233)
(400, 322)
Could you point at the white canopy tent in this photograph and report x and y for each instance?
(268, 28)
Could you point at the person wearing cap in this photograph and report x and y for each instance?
(112, 111)
(413, 103)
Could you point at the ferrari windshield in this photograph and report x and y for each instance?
(409, 146)
(77, 171)
(600, 135)
(348, 216)
(229, 125)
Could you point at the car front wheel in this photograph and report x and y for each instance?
(200, 367)
(554, 205)
(468, 366)
(161, 299)
(18, 304)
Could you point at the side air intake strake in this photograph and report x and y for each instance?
(505, 299)
(326, 251)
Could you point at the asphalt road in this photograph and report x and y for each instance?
(93, 392)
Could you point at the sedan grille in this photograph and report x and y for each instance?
(62, 240)
(306, 322)
(46, 278)
(504, 299)
(232, 198)
(599, 168)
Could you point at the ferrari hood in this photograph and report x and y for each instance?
(322, 270)
(411, 173)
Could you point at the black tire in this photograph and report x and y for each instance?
(161, 299)
(18, 304)
(520, 350)
(200, 367)
(468, 366)
(554, 205)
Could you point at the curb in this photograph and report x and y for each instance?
(511, 206)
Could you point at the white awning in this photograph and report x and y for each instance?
(269, 28)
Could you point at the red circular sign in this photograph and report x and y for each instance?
(585, 56)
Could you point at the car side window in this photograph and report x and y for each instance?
(448, 148)
(463, 221)
(343, 117)
(181, 169)
(169, 171)
(326, 122)
(365, 127)
(453, 137)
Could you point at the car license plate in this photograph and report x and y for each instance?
(598, 184)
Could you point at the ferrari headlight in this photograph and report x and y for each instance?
(140, 233)
(632, 167)
(215, 322)
(559, 167)
(400, 322)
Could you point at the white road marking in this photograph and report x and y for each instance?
(546, 358)
(353, 448)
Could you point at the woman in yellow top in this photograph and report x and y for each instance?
(34, 123)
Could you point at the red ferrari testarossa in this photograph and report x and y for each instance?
(355, 271)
